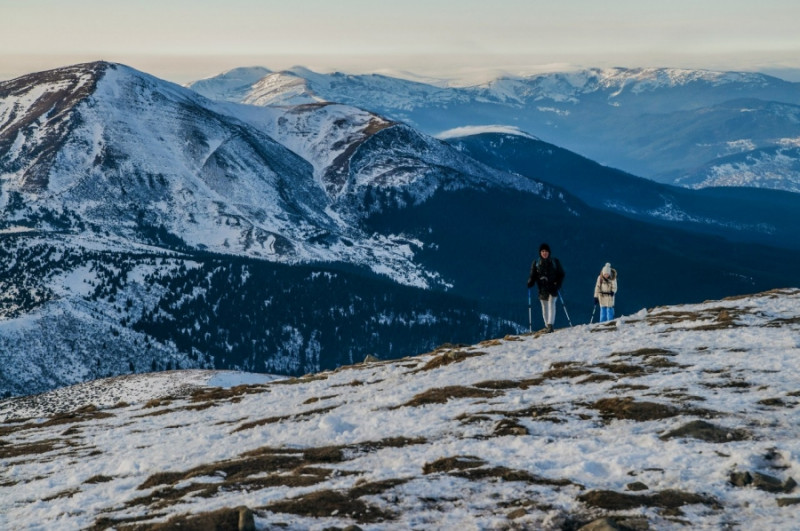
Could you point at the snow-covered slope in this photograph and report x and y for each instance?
(670, 418)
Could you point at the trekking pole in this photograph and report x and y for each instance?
(565, 307)
(594, 308)
(530, 319)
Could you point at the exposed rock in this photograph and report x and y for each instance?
(762, 482)
(517, 513)
(510, 427)
(246, 520)
(603, 524)
(785, 502)
(636, 486)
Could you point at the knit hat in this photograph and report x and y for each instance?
(607, 269)
(544, 247)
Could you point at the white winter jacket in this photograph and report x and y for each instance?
(606, 288)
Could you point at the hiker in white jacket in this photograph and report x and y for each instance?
(604, 292)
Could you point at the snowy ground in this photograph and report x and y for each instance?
(679, 417)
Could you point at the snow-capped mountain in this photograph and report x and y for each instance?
(233, 85)
(657, 123)
(146, 227)
(128, 152)
(669, 418)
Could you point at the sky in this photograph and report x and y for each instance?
(185, 40)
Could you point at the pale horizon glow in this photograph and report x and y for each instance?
(182, 40)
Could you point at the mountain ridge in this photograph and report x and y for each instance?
(604, 114)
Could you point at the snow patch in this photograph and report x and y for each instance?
(472, 130)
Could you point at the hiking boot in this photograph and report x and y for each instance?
(549, 328)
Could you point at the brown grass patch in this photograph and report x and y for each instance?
(465, 418)
(608, 326)
(446, 358)
(773, 402)
(264, 460)
(376, 487)
(660, 362)
(644, 353)
(74, 430)
(327, 503)
(490, 343)
(595, 378)
(219, 393)
(678, 396)
(156, 402)
(353, 383)
(509, 384)
(441, 395)
(69, 493)
(716, 318)
(728, 384)
(628, 409)
(448, 464)
(782, 322)
(327, 454)
(566, 369)
(623, 369)
(99, 479)
(301, 380)
(314, 399)
(629, 387)
(275, 468)
(537, 413)
(83, 414)
(509, 474)
(221, 519)
(705, 431)
(390, 442)
(120, 524)
(273, 420)
(168, 496)
(667, 499)
(34, 448)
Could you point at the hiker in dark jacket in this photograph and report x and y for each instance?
(548, 275)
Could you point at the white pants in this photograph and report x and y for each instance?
(549, 310)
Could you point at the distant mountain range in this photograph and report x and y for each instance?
(669, 125)
(738, 213)
(146, 227)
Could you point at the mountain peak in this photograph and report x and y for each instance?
(35, 115)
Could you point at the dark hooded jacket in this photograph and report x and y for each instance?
(548, 275)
